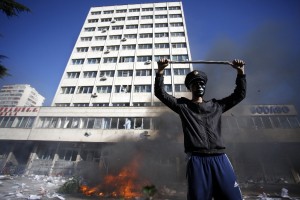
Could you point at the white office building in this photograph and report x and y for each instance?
(20, 95)
(113, 62)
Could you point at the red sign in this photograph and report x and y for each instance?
(14, 111)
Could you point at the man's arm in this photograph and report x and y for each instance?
(159, 91)
(239, 92)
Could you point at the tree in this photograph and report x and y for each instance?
(10, 8)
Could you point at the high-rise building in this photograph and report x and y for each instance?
(114, 59)
(20, 95)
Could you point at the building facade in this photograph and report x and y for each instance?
(20, 95)
(114, 59)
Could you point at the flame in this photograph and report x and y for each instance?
(124, 184)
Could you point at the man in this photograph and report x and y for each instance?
(209, 171)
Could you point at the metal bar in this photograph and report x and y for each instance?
(201, 62)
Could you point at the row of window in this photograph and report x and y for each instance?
(118, 89)
(125, 73)
(136, 10)
(95, 122)
(132, 36)
(125, 59)
(250, 123)
(96, 20)
(135, 104)
(134, 26)
(131, 47)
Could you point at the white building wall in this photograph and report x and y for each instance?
(98, 21)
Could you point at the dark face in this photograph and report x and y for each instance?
(198, 88)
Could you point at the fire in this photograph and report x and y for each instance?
(125, 184)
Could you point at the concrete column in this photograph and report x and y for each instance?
(11, 157)
(56, 157)
(32, 157)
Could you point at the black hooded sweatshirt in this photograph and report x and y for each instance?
(201, 122)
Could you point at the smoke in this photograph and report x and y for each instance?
(272, 66)
(159, 158)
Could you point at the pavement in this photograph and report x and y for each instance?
(34, 187)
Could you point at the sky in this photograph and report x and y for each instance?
(264, 33)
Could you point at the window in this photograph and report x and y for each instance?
(142, 88)
(119, 18)
(176, 24)
(89, 29)
(175, 16)
(180, 88)
(160, 25)
(124, 73)
(143, 72)
(98, 38)
(129, 47)
(130, 36)
(73, 74)
(92, 20)
(177, 34)
(104, 89)
(110, 60)
(62, 104)
(180, 57)
(115, 37)
(134, 10)
(132, 26)
(183, 71)
(122, 88)
(81, 104)
(121, 11)
(144, 58)
(146, 35)
(162, 46)
(157, 58)
(147, 9)
(160, 35)
(85, 39)
(96, 12)
(168, 87)
(117, 27)
(174, 8)
(82, 49)
(161, 16)
(146, 25)
(99, 105)
(145, 46)
(103, 28)
(90, 74)
(160, 8)
(113, 48)
(67, 90)
(108, 12)
(105, 19)
(179, 45)
(97, 48)
(109, 73)
(93, 60)
(147, 17)
(77, 61)
(167, 72)
(133, 18)
(126, 59)
(85, 90)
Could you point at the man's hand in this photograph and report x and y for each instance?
(162, 64)
(239, 65)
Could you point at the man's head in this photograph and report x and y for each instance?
(195, 81)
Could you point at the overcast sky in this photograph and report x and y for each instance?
(265, 33)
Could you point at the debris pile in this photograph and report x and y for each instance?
(32, 187)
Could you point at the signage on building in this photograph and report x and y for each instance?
(250, 110)
(17, 111)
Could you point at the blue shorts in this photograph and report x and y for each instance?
(211, 176)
